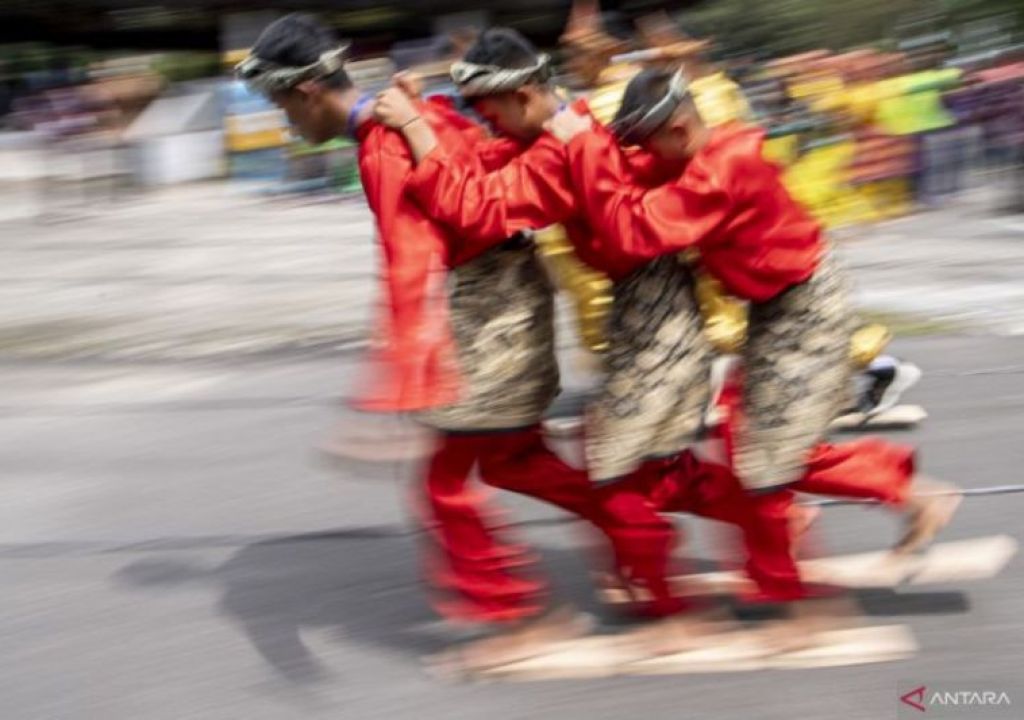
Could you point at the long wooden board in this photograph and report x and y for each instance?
(741, 651)
(949, 562)
(896, 418)
(899, 417)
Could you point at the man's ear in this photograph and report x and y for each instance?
(523, 95)
(308, 89)
(678, 121)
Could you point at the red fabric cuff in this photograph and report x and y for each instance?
(424, 176)
(413, 362)
(393, 381)
(596, 143)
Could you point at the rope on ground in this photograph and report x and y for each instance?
(965, 492)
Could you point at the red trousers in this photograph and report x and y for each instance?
(869, 469)
(866, 469)
(485, 577)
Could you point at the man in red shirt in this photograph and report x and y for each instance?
(729, 203)
(533, 187)
(724, 199)
(654, 396)
(479, 367)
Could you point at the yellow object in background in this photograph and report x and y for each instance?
(725, 317)
(887, 199)
(860, 101)
(589, 289)
(782, 150)
(604, 101)
(818, 180)
(256, 131)
(719, 99)
(867, 343)
(725, 325)
(822, 92)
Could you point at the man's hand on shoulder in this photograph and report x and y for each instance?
(567, 124)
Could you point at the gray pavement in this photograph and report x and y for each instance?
(173, 546)
(960, 265)
(206, 271)
(189, 273)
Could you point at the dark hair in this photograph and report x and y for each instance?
(645, 89)
(617, 25)
(502, 47)
(300, 39)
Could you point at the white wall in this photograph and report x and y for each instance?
(171, 159)
(22, 165)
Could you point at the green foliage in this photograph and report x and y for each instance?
(28, 57)
(781, 27)
(179, 66)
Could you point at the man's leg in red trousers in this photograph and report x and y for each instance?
(867, 469)
(712, 491)
(481, 578)
(870, 469)
(875, 469)
(642, 540)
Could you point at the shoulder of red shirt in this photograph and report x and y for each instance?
(580, 105)
(736, 136)
(373, 135)
(735, 145)
(438, 110)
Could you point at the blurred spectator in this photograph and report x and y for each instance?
(1000, 110)
(862, 134)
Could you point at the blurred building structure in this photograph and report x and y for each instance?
(852, 123)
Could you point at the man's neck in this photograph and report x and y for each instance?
(699, 135)
(552, 103)
(346, 102)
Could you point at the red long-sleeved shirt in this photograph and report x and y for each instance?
(413, 364)
(500, 187)
(729, 202)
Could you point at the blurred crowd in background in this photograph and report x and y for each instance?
(933, 105)
(868, 134)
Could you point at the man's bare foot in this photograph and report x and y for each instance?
(520, 642)
(682, 632)
(807, 620)
(929, 510)
(615, 583)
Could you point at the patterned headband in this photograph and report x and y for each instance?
(475, 80)
(638, 125)
(266, 77)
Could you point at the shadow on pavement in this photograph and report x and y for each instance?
(360, 589)
(363, 586)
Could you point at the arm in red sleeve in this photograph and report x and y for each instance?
(414, 360)
(496, 152)
(445, 118)
(643, 167)
(485, 208)
(407, 263)
(637, 221)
